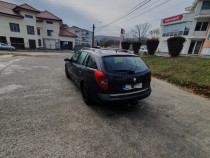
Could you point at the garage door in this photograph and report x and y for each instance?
(18, 43)
(50, 44)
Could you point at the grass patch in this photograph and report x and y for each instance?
(14, 54)
(192, 73)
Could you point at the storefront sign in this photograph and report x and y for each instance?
(173, 19)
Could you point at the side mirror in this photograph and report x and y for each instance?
(67, 59)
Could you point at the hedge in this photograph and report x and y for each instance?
(126, 45)
(175, 45)
(152, 46)
(136, 46)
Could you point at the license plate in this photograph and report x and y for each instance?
(138, 85)
(127, 87)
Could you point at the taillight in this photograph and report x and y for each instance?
(101, 79)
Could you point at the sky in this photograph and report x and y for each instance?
(85, 13)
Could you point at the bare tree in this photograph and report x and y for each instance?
(155, 34)
(140, 31)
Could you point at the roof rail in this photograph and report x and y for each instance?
(92, 49)
(118, 50)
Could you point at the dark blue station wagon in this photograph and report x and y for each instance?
(109, 75)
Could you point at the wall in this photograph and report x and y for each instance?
(5, 27)
(55, 27)
(69, 39)
(206, 43)
(31, 22)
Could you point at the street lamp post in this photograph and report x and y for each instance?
(93, 35)
(94, 32)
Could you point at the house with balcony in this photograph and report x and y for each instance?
(25, 27)
(83, 36)
(193, 26)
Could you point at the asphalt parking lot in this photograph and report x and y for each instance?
(42, 114)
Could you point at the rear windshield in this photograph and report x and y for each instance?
(124, 64)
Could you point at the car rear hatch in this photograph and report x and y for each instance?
(126, 74)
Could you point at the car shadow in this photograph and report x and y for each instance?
(114, 109)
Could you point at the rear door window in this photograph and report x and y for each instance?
(81, 59)
(124, 64)
(75, 57)
(91, 63)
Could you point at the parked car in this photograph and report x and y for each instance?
(6, 46)
(109, 76)
(143, 50)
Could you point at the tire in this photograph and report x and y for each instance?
(67, 73)
(10, 49)
(85, 94)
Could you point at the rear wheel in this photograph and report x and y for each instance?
(67, 73)
(85, 94)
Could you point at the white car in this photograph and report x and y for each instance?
(6, 46)
(143, 50)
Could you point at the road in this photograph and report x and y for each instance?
(42, 114)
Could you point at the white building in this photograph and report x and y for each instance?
(194, 26)
(83, 35)
(23, 26)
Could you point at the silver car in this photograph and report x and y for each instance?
(143, 50)
(6, 46)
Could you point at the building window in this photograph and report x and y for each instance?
(49, 22)
(198, 26)
(30, 30)
(38, 31)
(204, 26)
(49, 32)
(201, 26)
(29, 16)
(177, 29)
(206, 5)
(14, 27)
(206, 51)
(39, 42)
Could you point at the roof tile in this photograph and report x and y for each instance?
(27, 7)
(47, 15)
(64, 32)
(7, 8)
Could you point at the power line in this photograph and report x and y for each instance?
(121, 17)
(145, 12)
(128, 11)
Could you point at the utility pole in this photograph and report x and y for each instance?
(93, 35)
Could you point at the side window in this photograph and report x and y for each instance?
(85, 61)
(75, 57)
(82, 58)
(91, 63)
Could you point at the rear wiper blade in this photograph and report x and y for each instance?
(127, 71)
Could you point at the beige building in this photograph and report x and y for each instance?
(83, 36)
(25, 27)
(193, 26)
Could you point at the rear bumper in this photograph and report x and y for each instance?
(133, 96)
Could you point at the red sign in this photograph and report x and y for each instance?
(122, 31)
(172, 19)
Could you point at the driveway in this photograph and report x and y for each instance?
(42, 114)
